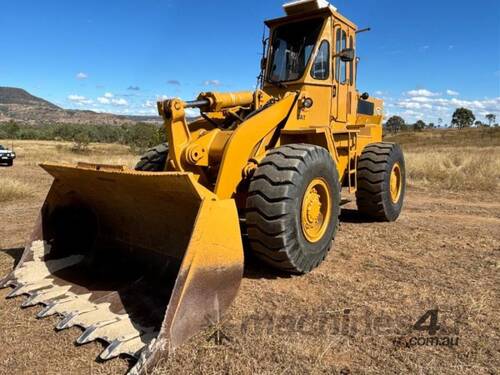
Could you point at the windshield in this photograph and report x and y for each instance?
(292, 47)
(2, 148)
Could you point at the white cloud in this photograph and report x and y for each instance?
(119, 102)
(103, 100)
(429, 108)
(414, 105)
(422, 92)
(149, 104)
(109, 98)
(420, 99)
(80, 100)
(82, 75)
(212, 82)
(452, 93)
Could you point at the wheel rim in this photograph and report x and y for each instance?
(395, 183)
(316, 208)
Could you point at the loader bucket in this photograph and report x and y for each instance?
(139, 260)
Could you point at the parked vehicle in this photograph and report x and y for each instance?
(7, 156)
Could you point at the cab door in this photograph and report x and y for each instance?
(341, 77)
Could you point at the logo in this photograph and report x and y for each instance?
(427, 324)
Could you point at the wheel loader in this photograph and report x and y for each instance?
(144, 259)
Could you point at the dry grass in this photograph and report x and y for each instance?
(446, 160)
(12, 189)
(452, 159)
(458, 169)
(480, 137)
(31, 153)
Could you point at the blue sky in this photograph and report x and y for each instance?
(425, 58)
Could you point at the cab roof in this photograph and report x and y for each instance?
(324, 12)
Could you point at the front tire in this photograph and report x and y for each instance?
(154, 160)
(293, 207)
(381, 181)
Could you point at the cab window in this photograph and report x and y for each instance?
(321, 65)
(351, 64)
(292, 47)
(341, 44)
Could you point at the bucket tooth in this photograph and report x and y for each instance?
(17, 291)
(111, 330)
(115, 329)
(66, 322)
(54, 293)
(90, 333)
(84, 337)
(6, 282)
(131, 345)
(45, 295)
(31, 300)
(29, 288)
(112, 350)
(64, 306)
(74, 318)
(91, 316)
(50, 307)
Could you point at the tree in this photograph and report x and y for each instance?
(431, 125)
(141, 136)
(81, 140)
(463, 118)
(10, 130)
(395, 124)
(440, 122)
(491, 118)
(419, 126)
(479, 124)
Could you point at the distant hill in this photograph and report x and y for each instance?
(19, 105)
(12, 95)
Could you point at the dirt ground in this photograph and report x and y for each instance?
(353, 315)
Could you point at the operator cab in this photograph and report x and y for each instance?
(312, 49)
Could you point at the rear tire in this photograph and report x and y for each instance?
(381, 181)
(154, 160)
(293, 207)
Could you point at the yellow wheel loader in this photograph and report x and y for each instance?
(144, 259)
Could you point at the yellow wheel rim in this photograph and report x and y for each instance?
(316, 208)
(395, 183)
